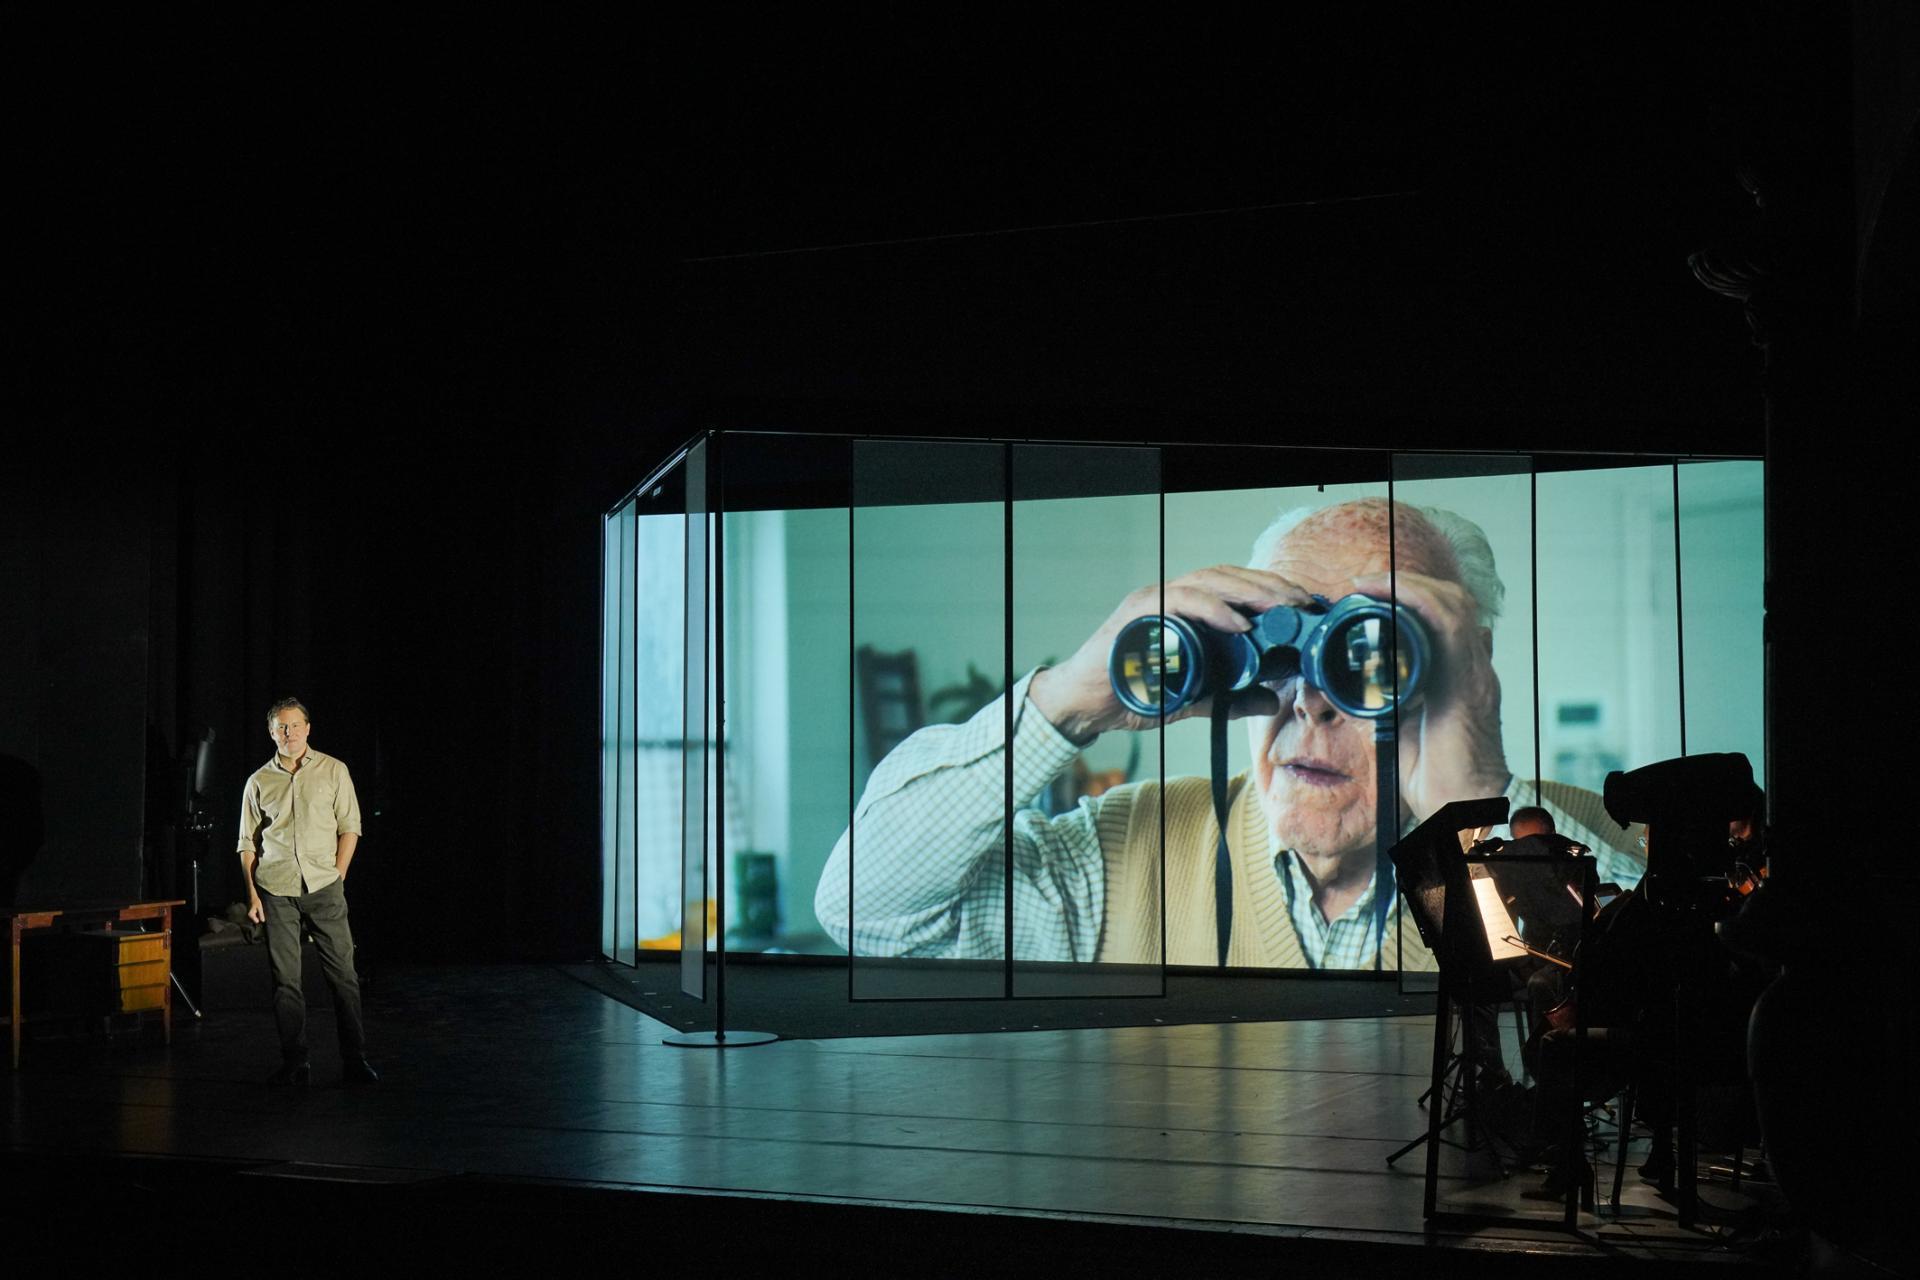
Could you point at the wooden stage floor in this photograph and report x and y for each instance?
(519, 1076)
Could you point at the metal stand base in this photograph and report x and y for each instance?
(718, 1039)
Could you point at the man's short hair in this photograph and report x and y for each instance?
(1530, 815)
(1471, 550)
(288, 704)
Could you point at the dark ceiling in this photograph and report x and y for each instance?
(426, 227)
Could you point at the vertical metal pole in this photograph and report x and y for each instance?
(1006, 628)
(605, 889)
(853, 686)
(1160, 728)
(1577, 1131)
(1386, 800)
(1679, 610)
(626, 865)
(1686, 1152)
(717, 513)
(688, 806)
(1533, 568)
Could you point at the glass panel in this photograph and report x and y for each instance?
(696, 904)
(630, 816)
(1481, 505)
(1722, 582)
(1086, 534)
(615, 756)
(926, 855)
(1466, 520)
(1608, 642)
(658, 675)
(788, 684)
(1309, 814)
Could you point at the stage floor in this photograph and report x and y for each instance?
(522, 1073)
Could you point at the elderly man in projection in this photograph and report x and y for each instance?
(929, 833)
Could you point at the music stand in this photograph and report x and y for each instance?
(1464, 918)
(1436, 885)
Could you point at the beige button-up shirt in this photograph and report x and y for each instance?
(293, 822)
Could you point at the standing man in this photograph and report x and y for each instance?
(299, 824)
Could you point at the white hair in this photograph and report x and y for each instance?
(1469, 542)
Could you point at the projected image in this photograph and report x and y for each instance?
(1308, 879)
(1497, 629)
(1308, 884)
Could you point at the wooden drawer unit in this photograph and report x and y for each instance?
(140, 969)
(89, 960)
(95, 972)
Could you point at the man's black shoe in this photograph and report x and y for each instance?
(358, 1071)
(292, 1073)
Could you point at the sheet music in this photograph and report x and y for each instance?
(1498, 921)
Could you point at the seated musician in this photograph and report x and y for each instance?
(1541, 977)
(1645, 951)
(1623, 974)
(1545, 980)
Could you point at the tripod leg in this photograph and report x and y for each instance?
(1406, 1148)
(181, 991)
(1446, 1099)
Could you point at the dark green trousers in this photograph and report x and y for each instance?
(322, 913)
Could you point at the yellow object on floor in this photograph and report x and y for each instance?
(671, 941)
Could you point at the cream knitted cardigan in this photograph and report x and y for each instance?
(1263, 934)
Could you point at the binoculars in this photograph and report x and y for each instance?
(1366, 656)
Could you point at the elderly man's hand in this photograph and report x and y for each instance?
(1077, 696)
(1450, 749)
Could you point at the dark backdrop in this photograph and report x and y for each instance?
(336, 356)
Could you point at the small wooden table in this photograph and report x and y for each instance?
(24, 920)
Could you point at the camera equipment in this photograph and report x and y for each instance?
(1686, 804)
(1365, 655)
(1715, 787)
